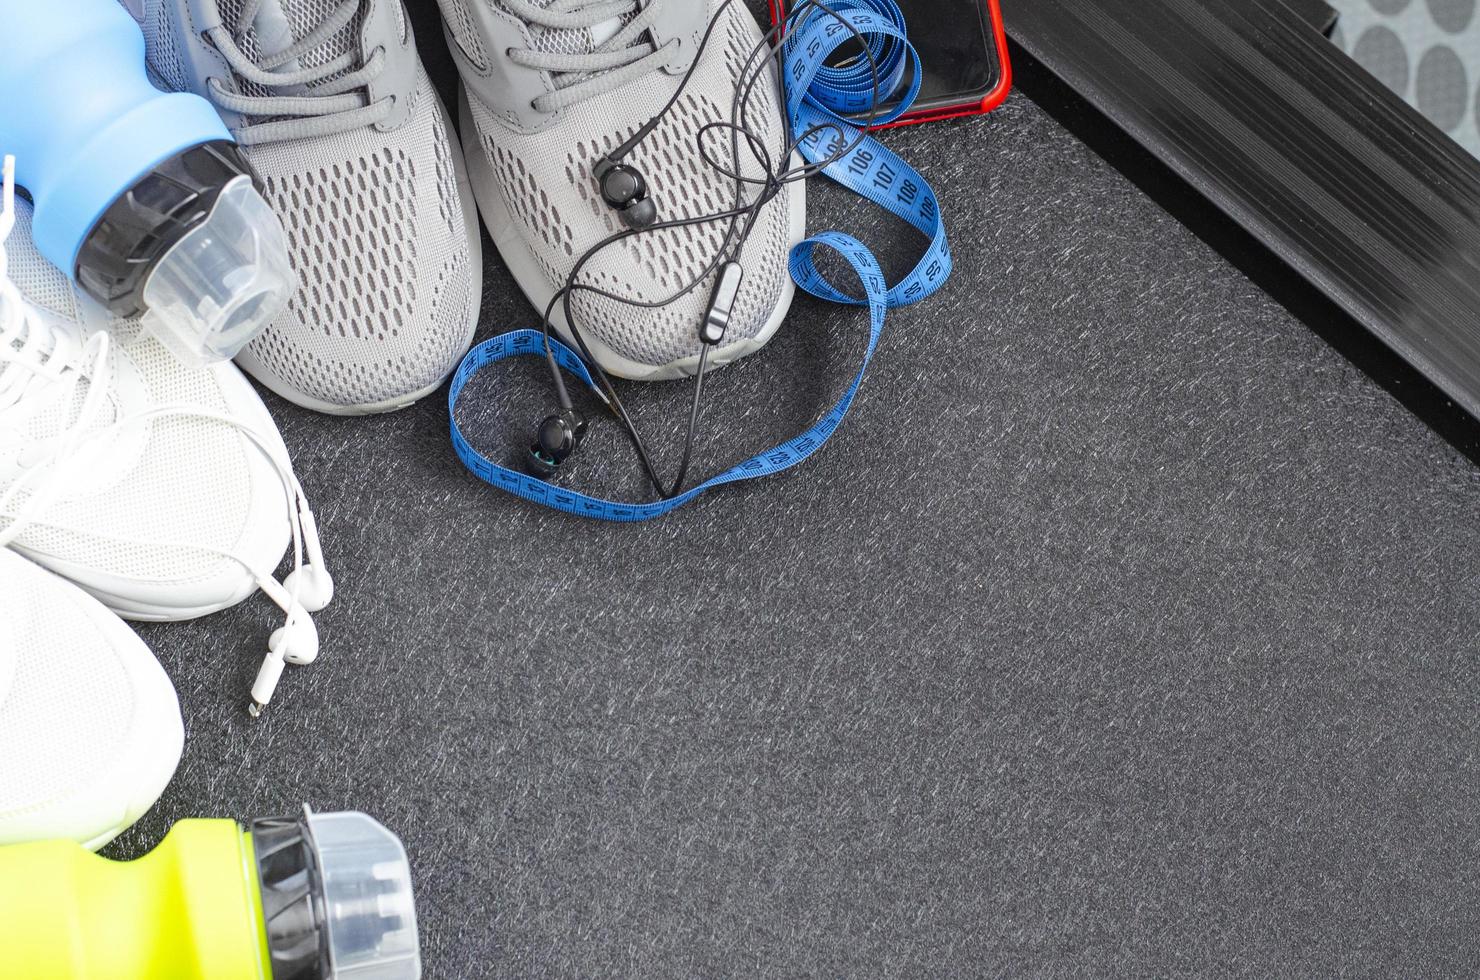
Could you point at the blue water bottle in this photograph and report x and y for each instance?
(143, 197)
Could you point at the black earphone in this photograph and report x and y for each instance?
(624, 188)
(559, 435)
(558, 438)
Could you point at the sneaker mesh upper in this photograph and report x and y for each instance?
(546, 183)
(376, 231)
(466, 33)
(378, 240)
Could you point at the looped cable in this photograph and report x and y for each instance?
(817, 98)
(32, 352)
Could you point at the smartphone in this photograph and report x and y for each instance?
(963, 49)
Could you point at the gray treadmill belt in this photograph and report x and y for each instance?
(1338, 175)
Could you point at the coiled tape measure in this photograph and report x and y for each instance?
(817, 94)
(963, 47)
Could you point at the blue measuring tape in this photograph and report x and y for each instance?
(818, 98)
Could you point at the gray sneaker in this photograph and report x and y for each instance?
(552, 86)
(334, 109)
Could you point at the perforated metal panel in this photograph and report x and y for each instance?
(1427, 51)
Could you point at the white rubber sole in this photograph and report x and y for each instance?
(271, 382)
(143, 612)
(125, 601)
(388, 407)
(538, 290)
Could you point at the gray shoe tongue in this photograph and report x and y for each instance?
(273, 30)
(280, 23)
(575, 40)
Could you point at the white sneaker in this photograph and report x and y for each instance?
(162, 490)
(90, 730)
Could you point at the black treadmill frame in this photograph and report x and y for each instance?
(1297, 143)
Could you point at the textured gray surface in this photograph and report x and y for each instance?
(1126, 629)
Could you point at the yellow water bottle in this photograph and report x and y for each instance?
(317, 897)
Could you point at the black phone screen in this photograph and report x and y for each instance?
(956, 46)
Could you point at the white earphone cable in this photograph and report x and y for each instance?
(21, 361)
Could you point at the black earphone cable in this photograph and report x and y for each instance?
(774, 181)
(646, 128)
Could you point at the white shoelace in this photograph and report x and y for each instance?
(35, 358)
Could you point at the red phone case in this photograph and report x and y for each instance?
(952, 109)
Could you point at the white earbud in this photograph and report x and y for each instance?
(312, 584)
(297, 642)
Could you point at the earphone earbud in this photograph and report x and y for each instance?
(558, 438)
(311, 584)
(625, 190)
(298, 642)
(295, 643)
